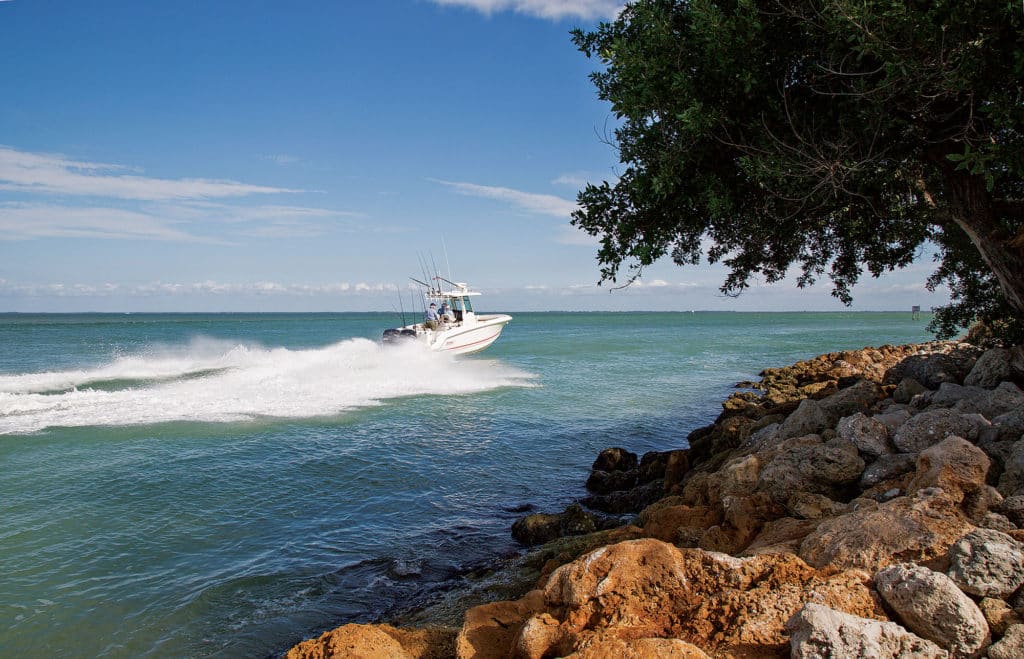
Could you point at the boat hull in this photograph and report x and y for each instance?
(456, 339)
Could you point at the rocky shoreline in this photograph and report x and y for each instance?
(862, 503)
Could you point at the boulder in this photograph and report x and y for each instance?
(930, 605)
(665, 522)
(998, 615)
(652, 467)
(808, 418)
(615, 459)
(605, 482)
(955, 465)
(987, 563)
(818, 632)
(869, 436)
(909, 528)
(931, 427)
(907, 389)
(647, 589)
(538, 528)
(1011, 482)
(992, 368)
(990, 403)
(366, 641)
(1011, 646)
(1013, 508)
(931, 369)
(892, 419)
(626, 501)
(1010, 425)
(887, 467)
(805, 505)
(640, 648)
(856, 398)
(814, 467)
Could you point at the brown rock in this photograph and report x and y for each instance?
(490, 630)
(664, 523)
(650, 589)
(955, 465)
(640, 648)
(373, 642)
(998, 615)
(919, 528)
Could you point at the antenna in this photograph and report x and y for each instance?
(446, 262)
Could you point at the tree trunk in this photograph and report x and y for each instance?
(971, 207)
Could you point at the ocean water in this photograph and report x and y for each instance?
(229, 484)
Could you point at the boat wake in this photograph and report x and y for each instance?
(223, 382)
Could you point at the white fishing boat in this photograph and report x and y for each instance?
(460, 331)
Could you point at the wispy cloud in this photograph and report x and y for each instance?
(22, 171)
(544, 204)
(549, 9)
(208, 287)
(27, 221)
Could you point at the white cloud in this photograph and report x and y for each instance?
(28, 221)
(549, 9)
(208, 287)
(544, 204)
(21, 171)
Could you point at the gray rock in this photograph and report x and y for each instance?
(951, 393)
(930, 605)
(871, 437)
(931, 427)
(1005, 398)
(931, 369)
(818, 632)
(993, 367)
(893, 419)
(887, 467)
(996, 522)
(1012, 480)
(907, 389)
(986, 563)
(1011, 646)
(1010, 425)
(814, 468)
(1013, 508)
(804, 505)
(808, 418)
(615, 459)
(855, 398)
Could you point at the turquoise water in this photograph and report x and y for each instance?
(228, 484)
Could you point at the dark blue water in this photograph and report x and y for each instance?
(227, 484)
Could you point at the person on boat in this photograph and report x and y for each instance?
(446, 312)
(431, 318)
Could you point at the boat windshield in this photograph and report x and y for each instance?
(462, 304)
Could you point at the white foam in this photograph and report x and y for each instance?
(214, 381)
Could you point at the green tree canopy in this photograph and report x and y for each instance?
(837, 135)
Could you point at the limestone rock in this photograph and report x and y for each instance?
(489, 630)
(808, 418)
(650, 589)
(819, 632)
(856, 398)
(604, 482)
(932, 369)
(1012, 481)
(615, 459)
(805, 505)
(892, 419)
(992, 368)
(918, 528)
(955, 465)
(814, 468)
(871, 437)
(538, 528)
(887, 467)
(907, 389)
(665, 523)
(998, 615)
(931, 427)
(987, 563)
(640, 648)
(1013, 508)
(365, 641)
(1011, 646)
(932, 606)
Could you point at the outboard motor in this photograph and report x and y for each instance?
(393, 336)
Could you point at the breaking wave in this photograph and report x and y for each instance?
(216, 381)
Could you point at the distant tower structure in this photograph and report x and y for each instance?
(915, 312)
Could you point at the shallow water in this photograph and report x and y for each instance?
(227, 484)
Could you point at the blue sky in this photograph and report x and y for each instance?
(268, 156)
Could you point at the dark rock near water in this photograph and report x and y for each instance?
(626, 501)
(604, 482)
(615, 459)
